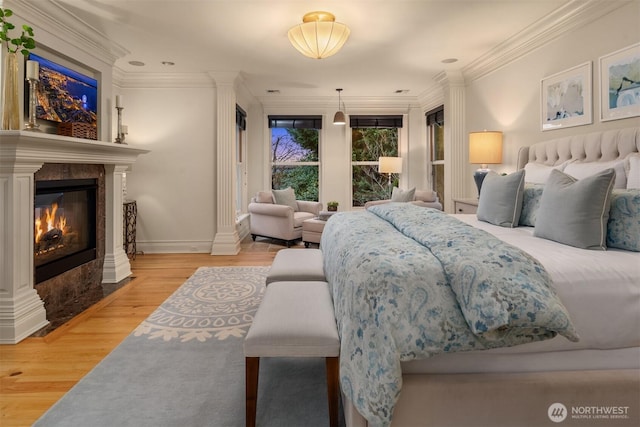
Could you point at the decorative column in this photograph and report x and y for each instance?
(21, 309)
(116, 263)
(226, 240)
(455, 152)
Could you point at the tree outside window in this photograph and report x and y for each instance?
(367, 146)
(295, 161)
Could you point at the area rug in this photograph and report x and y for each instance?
(184, 366)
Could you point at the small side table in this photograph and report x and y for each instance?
(465, 206)
(130, 218)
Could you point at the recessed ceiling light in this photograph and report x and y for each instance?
(273, 90)
(449, 60)
(137, 63)
(168, 63)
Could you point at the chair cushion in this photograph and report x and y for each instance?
(264, 197)
(286, 197)
(300, 217)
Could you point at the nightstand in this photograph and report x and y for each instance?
(465, 206)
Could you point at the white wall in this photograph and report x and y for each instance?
(173, 185)
(509, 98)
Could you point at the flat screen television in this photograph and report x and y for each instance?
(64, 95)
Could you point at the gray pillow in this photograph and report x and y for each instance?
(286, 197)
(501, 199)
(575, 212)
(399, 195)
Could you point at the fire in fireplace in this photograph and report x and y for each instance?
(65, 225)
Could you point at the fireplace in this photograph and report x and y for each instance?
(65, 225)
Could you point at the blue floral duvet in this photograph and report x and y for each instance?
(410, 282)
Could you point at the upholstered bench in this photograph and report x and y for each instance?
(296, 265)
(295, 319)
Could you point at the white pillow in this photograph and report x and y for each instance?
(633, 176)
(537, 173)
(580, 170)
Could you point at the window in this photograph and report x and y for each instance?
(372, 137)
(295, 155)
(435, 134)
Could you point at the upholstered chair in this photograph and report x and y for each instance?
(424, 198)
(278, 215)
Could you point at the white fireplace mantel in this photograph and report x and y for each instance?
(22, 153)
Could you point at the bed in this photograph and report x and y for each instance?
(406, 358)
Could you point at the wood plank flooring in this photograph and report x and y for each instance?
(38, 371)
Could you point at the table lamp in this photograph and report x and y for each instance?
(485, 148)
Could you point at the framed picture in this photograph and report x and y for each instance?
(566, 98)
(620, 84)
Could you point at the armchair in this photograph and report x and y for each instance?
(424, 198)
(278, 220)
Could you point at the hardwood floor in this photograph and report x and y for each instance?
(38, 371)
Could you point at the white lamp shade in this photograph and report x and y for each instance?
(485, 147)
(319, 36)
(390, 164)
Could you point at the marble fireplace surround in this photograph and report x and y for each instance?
(22, 153)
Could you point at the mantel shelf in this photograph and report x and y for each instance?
(20, 146)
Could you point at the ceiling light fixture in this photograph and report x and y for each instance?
(319, 35)
(339, 118)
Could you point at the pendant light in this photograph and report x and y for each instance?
(339, 118)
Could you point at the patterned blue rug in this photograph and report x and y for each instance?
(184, 366)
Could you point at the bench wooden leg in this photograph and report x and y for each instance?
(333, 389)
(252, 369)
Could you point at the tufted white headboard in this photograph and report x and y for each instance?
(591, 147)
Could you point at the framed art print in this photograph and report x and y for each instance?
(620, 84)
(566, 98)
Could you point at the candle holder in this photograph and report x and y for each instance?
(120, 137)
(31, 124)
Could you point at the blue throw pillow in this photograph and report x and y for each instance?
(530, 203)
(623, 227)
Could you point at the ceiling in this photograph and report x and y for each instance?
(394, 44)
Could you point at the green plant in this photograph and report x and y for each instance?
(332, 205)
(25, 42)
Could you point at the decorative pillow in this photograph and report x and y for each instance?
(575, 212)
(264, 197)
(633, 172)
(623, 228)
(580, 170)
(425, 195)
(501, 198)
(530, 203)
(399, 195)
(537, 173)
(286, 197)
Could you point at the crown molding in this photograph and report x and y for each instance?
(403, 102)
(161, 80)
(63, 24)
(572, 15)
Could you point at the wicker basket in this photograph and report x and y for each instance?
(78, 130)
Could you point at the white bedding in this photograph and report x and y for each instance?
(600, 289)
